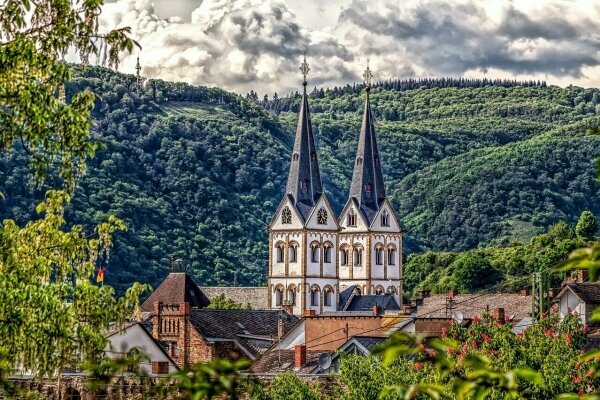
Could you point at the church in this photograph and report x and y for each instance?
(316, 257)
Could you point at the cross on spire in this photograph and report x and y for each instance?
(304, 69)
(368, 76)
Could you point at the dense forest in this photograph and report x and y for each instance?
(197, 172)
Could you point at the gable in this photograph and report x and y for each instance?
(352, 207)
(313, 218)
(394, 225)
(297, 222)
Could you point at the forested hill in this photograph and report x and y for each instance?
(198, 172)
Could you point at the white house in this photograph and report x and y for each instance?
(579, 298)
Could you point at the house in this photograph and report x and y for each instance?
(193, 335)
(357, 345)
(580, 298)
(135, 337)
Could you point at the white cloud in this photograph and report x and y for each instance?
(257, 44)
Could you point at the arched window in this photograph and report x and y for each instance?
(379, 290)
(292, 295)
(327, 294)
(295, 157)
(314, 296)
(286, 216)
(357, 256)
(351, 218)
(379, 254)
(385, 218)
(314, 252)
(293, 250)
(327, 252)
(344, 256)
(279, 249)
(72, 394)
(278, 296)
(391, 290)
(359, 161)
(391, 255)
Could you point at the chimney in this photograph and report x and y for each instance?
(525, 292)
(376, 310)
(452, 293)
(406, 309)
(582, 275)
(299, 356)
(309, 313)
(498, 315)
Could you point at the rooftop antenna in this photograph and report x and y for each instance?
(138, 69)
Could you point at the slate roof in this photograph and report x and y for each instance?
(368, 342)
(253, 330)
(270, 361)
(589, 292)
(304, 166)
(352, 301)
(367, 168)
(177, 288)
(471, 305)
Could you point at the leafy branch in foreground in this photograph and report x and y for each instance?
(34, 37)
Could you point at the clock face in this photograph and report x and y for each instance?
(286, 216)
(322, 216)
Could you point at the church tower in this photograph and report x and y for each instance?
(370, 239)
(303, 231)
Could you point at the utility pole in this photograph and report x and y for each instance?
(540, 297)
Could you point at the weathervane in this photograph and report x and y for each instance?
(304, 69)
(368, 76)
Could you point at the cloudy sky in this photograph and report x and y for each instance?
(258, 44)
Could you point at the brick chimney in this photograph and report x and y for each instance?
(525, 292)
(498, 315)
(582, 275)
(309, 313)
(299, 356)
(452, 293)
(376, 310)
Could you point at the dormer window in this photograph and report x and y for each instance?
(359, 161)
(304, 184)
(295, 157)
(286, 216)
(351, 219)
(385, 218)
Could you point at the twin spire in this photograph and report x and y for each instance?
(304, 180)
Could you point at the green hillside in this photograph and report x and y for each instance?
(198, 172)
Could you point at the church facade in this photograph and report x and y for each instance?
(315, 255)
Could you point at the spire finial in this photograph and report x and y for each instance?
(368, 76)
(304, 69)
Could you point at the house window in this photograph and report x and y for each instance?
(293, 252)
(314, 253)
(278, 297)
(174, 349)
(279, 249)
(391, 256)
(327, 253)
(314, 297)
(286, 216)
(327, 297)
(291, 297)
(357, 256)
(344, 256)
(351, 219)
(385, 218)
(378, 255)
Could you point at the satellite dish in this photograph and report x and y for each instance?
(325, 361)
(458, 317)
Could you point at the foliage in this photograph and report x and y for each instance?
(223, 303)
(287, 385)
(586, 226)
(506, 266)
(221, 379)
(51, 315)
(198, 171)
(485, 360)
(34, 36)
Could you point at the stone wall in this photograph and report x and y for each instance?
(256, 296)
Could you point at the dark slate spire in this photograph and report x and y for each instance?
(304, 180)
(367, 180)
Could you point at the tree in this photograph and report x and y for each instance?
(223, 303)
(34, 36)
(472, 271)
(586, 226)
